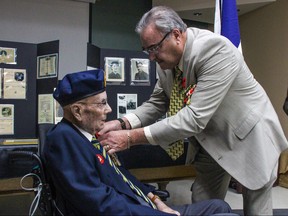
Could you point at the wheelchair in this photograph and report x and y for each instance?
(44, 197)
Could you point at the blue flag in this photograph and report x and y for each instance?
(226, 21)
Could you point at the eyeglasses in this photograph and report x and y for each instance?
(99, 104)
(154, 48)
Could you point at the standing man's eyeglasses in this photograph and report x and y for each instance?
(154, 48)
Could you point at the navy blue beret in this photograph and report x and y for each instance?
(77, 86)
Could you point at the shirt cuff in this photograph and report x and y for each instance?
(134, 121)
(148, 135)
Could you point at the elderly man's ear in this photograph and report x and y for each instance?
(77, 111)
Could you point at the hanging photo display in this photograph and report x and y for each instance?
(140, 70)
(14, 83)
(45, 108)
(6, 119)
(114, 69)
(8, 55)
(126, 103)
(47, 66)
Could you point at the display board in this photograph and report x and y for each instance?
(20, 86)
(125, 90)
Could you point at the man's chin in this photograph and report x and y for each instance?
(164, 66)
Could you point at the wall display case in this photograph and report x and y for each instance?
(20, 86)
(140, 89)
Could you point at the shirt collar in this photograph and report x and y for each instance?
(85, 133)
(181, 63)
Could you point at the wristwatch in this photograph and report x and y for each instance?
(123, 125)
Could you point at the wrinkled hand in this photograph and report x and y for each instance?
(164, 208)
(113, 125)
(114, 141)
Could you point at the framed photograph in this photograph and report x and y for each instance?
(47, 66)
(45, 108)
(8, 55)
(126, 103)
(14, 83)
(140, 70)
(114, 69)
(7, 119)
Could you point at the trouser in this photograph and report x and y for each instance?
(207, 207)
(212, 182)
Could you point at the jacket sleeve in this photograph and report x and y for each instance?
(154, 108)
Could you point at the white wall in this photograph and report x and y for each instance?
(37, 21)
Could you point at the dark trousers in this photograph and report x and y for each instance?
(205, 208)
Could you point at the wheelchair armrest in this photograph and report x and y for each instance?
(163, 194)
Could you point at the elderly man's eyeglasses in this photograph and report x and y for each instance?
(154, 48)
(99, 104)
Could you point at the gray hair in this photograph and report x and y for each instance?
(164, 18)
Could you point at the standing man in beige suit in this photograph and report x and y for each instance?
(229, 119)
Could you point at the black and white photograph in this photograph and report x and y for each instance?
(140, 70)
(126, 103)
(114, 69)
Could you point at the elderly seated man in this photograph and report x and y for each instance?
(87, 180)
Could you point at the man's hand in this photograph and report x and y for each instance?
(114, 141)
(119, 140)
(161, 206)
(113, 125)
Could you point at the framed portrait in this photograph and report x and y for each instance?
(140, 71)
(47, 66)
(114, 69)
(8, 55)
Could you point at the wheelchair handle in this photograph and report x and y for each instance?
(20, 154)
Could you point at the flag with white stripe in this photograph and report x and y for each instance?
(226, 21)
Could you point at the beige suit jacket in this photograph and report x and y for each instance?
(230, 114)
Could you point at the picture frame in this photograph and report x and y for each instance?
(45, 108)
(47, 66)
(14, 83)
(114, 69)
(8, 55)
(126, 103)
(140, 70)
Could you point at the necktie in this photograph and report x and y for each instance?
(176, 149)
(134, 188)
